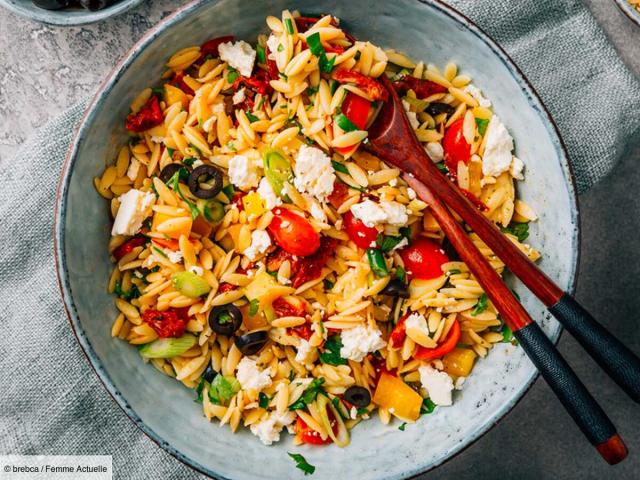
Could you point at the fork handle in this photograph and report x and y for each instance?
(572, 393)
(622, 365)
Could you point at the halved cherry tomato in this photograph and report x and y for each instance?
(127, 246)
(293, 233)
(149, 116)
(356, 109)
(399, 333)
(423, 259)
(310, 436)
(422, 88)
(339, 194)
(210, 47)
(165, 324)
(370, 86)
(358, 232)
(455, 146)
(305, 23)
(445, 347)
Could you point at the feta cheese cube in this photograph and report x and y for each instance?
(395, 212)
(314, 173)
(439, 385)
(265, 190)
(251, 377)
(412, 193)
(240, 55)
(243, 173)
(239, 96)
(135, 206)
(360, 340)
(272, 44)
(174, 256)
(268, 430)
(417, 322)
(369, 213)
(260, 242)
(412, 116)
(498, 147)
(475, 92)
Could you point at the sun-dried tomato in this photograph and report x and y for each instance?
(310, 268)
(422, 88)
(272, 66)
(226, 287)
(289, 308)
(165, 324)
(210, 47)
(149, 116)
(128, 246)
(303, 331)
(374, 89)
(305, 23)
(339, 194)
(178, 81)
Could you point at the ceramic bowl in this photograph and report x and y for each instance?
(66, 18)
(162, 407)
(629, 11)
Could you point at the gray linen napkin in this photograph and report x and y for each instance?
(52, 403)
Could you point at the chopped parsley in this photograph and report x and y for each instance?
(189, 161)
(158, 91)
(388, 243)
(454, 271)
(301, 463)
(402, 427)
(328, 284)
(133, 292)
(229, 191)
(442, 167)
(315, 45)
(481, 306)
(174, 183)
(261, 55)
(159, 251)
(331, 353)
(170, 152)
(309, 395)
(288, 23)
(518, 230)
(482, 124)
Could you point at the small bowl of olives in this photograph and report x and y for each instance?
(68, 12)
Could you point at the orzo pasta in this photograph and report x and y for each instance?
(266, 261)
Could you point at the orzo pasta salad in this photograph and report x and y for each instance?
(269, 263)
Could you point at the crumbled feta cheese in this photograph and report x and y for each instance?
(135, 206)
(271, 200)
(516, 168)
(438, 384)
(268, 431)
(417, 322)
(305, 352)
(497, 151)
(260, 242)
(239, 96)
(412, 193)
(174, 256)
(134, 168)
(396, 213)
(369, 213)
(195, 269)
(475, 92)
(272, 44)
(251, 377)
(218, 108)
(314, 173)
(360, 340)
(243, 173)
(434, 151)
(315, 209)
(240, 55)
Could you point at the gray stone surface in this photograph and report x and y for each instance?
(46, 70)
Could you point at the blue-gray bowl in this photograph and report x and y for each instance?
(629, 11)
(162, 407)
(68, 17)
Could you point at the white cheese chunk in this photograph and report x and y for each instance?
(516, 168)
(417, 322)
(371, 213)
(135, 206)
(265, 190)
(272, 44)
(498, 147)
(251, 377)
(435, 151)
(260, 242)
(438, 384)
(268, 430)
(243, 173)
(412, 116)
(360, 340)
(305, 352)
(314, 173)
(395, 212)
(477, 94)
(239, 96)
(240, 55)
(174, 256)
(134, 168)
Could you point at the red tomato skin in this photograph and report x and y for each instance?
(339, 194)
(356, 109)
(358, 232)
(165, 324)
(178, 81)
(127, 246)
(399, 333)
(455, 146)
(293, 233)
(309, 435)
(423, 259)
(445, 347)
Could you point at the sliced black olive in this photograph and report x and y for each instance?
(449, 250)
(209, 374)
(437, 108)
(251, 343)
(51, 4)
(212, 175)
(171, 169)
(225, 319)
(358, 396)
(396, 288)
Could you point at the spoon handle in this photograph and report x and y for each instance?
(571, 392)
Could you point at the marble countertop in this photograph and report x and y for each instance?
(47, 69)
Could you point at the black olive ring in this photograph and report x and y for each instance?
(205, 171)
(225, 319)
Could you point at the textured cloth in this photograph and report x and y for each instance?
(52, 402)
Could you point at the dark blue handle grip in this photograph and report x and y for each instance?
(573, 395)
(622, 365)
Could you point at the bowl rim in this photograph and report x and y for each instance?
(630, 12)
(90, 111)
(59, 19)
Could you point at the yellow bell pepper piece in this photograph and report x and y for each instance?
(459, 362)
(253, 204)
(266, 289)
(393, 393)
(159, 218)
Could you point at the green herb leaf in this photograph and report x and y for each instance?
(388, 243)
(288, 23)
(328, 284)
(344, 123)
(231, 147)
(333, 86)
(315, 45)
(223, 388)
(170, 152)
(132, 293)
(326, 66)
(229, 191)
(252, 118)
(203, 383)
(312, 91)
(377, 262)
(253, 307)
(309, 395)
(402, 427)
(233, 75)
(481, 306)
(302, 464)
(482, 124)
(362, 411)
(339, 167)
(263, 400)
(174, 183)
(261, 55)
(331, 353)
(442, 167)
(401, 274)
(518, 230)
(189, 161)
(427, 406)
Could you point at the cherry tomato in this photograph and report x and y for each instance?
(423, 259)
(356, 109)
(210, 47)
(165, 324)
(149, 116)
(399, 333)
(370, 86)
(294, 233)
(310, 436)
(455, 146)
(441, 350)
(127, 246)
(358, 232)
